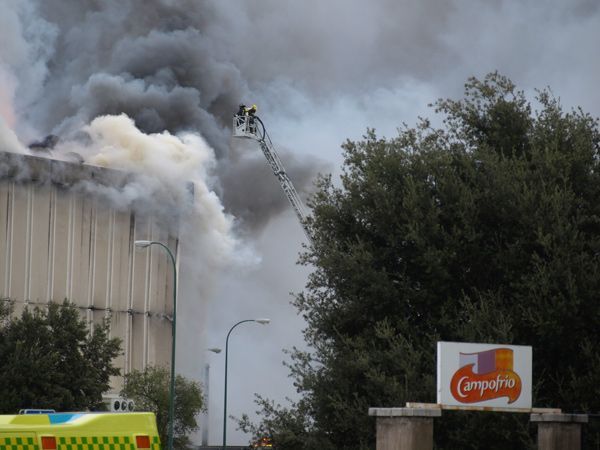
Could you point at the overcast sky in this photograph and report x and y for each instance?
(319, 71)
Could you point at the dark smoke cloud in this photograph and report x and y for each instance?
(251, 182)
(150, 59)
(186, 64)
(103, 53)
(342, 46)
(170, 65)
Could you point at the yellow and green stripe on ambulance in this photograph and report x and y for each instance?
(79, 431)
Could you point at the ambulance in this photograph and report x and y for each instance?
(79, 431)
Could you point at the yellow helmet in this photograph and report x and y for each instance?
(254, 107)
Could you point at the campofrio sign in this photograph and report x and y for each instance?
(484, 375)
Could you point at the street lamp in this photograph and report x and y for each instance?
(144, 244)
(216, 351)
(262, 322)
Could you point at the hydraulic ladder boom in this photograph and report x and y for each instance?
(251, 127)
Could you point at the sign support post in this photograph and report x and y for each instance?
(559, 431)
(405, 428)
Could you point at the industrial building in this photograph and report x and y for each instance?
(60, 241)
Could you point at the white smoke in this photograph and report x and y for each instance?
(27, 44)
(7, 88)
(166, 165)
(8, 139)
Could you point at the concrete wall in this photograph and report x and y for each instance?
(56, 244)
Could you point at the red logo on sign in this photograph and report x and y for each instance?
(486, 376)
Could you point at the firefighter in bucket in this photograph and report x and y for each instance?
(245, 120)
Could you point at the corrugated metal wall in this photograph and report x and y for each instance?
(56, 244)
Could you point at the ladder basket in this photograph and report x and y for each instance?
(244, 127)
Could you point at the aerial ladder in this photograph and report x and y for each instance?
(249, 126)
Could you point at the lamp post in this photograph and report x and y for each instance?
(262, 322)
(205, 417)
(144, 244)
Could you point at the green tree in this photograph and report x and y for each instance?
(51, 360)
(486, 229)
(149, 389)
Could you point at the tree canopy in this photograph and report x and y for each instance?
(149, 388)
(51, 360)
(484, 229)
